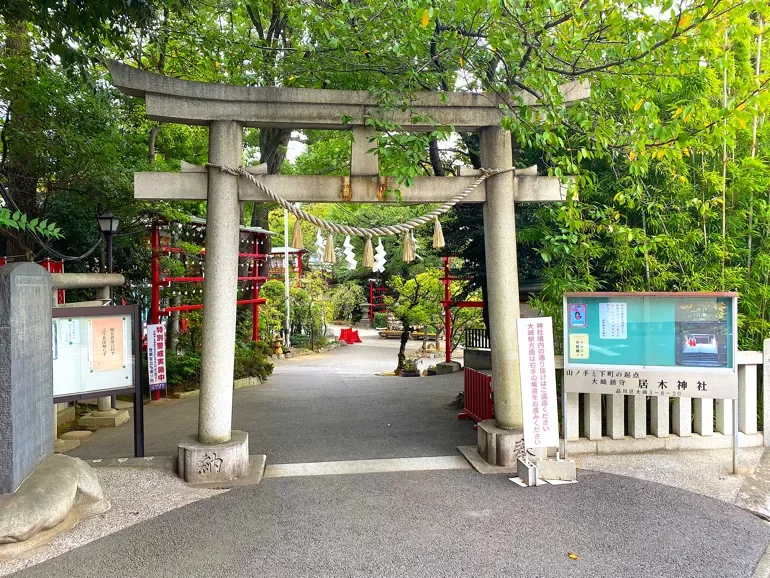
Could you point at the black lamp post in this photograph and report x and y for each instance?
(108, 224)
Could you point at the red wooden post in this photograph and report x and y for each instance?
(255, 291)
(447, 313)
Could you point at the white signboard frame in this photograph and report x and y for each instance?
(538, 382)
(156, 356)
(77, 370)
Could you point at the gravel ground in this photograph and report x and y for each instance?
(135, 494)
(706, 472)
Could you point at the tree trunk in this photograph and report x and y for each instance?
(22, 184)
(402, 350)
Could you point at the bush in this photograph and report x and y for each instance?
(251, 362)
(299, 340)
(380, 320)
(183, 372)
(263, 347)
(321, 342)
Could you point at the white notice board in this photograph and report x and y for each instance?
(93, 353)
(538, 382)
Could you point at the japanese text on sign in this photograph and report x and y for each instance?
(538, 382)
(652, 383)
(613, 321)
(107, 343)
(156, 356)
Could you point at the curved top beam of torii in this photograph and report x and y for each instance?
(198, 103)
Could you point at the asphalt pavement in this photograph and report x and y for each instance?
(453, 523)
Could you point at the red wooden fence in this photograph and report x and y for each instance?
(477, 396)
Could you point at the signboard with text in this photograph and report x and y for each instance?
(93, 350)
(656, 344)
(538, 382)
(156, 356)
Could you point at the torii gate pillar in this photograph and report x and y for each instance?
(218, 452)
(499, 439)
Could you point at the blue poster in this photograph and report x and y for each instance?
(577, 315)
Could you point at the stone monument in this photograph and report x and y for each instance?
(26, 372)
(41, 494)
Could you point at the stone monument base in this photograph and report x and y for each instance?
(443, 368)
(98, 419)
(49, 501)
(62, 446)
(205, 463)
(499, 447)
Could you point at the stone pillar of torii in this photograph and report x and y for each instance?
(218, 453)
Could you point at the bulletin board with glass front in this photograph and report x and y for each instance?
(95, 351)
(657, 344)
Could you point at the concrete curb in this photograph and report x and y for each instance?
(241, 383)
(478, 463)
(253, 477)
(162, 462)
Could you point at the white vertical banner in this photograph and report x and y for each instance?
(156, 356)
(538, 382)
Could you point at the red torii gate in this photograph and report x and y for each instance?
(447, 304)
(256, 238)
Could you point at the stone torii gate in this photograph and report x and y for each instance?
(218, 453)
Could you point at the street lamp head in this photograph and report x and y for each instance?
(108, 223)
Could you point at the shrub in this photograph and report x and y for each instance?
(300, 340)
(380, 320)
(321, 342)
(410, 364)
(250, 362)
(183, 372)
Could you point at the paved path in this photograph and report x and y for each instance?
(319, 408)
(451, 522)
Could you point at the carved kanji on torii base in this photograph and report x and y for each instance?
(227, 109)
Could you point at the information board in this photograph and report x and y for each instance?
(657, 344)
(93, 350)
(538, 382)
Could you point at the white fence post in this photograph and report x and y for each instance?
(682, 416)
(766, 390)
(637, 416)
(723, 411)
(659, 416)
(704, 416)
(573, 416)
(614, 417)
(747, 396)
(592, 415)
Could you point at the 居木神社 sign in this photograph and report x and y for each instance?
(656, 344)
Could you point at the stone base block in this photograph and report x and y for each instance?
(443, 368)
(100, 419)
(62, 446)
(527, 472)
(499, 447)
(557, 469)
(76, 434)
(210, 463)
(66, 415)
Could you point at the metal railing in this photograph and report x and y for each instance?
(476, 339)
